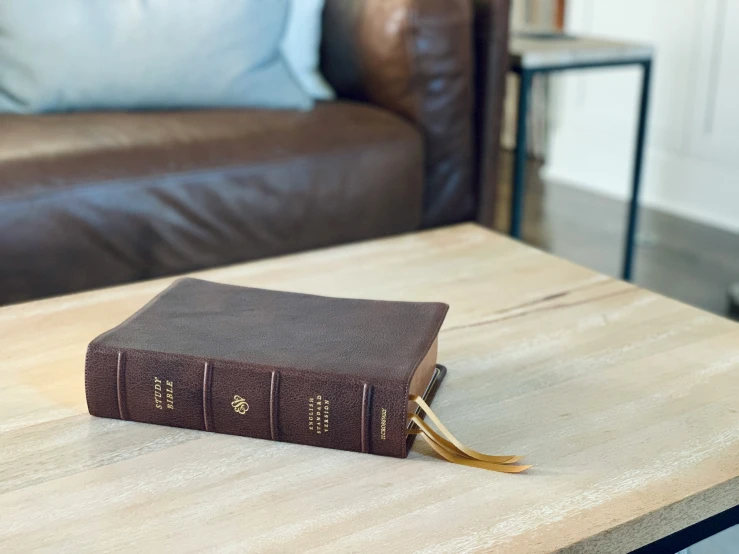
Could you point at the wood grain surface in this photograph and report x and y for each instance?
(627, 403)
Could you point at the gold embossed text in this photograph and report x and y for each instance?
(318, 414)
(158, 393)
(163, 394)
(170, 395)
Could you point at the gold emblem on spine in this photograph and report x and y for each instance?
(239, 405)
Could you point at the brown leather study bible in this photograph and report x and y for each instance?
(332, 372)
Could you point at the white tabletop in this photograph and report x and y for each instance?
(532, 50)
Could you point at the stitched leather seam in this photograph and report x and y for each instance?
(220, 169)
(412, 61)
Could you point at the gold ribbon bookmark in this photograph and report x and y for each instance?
(448, 447)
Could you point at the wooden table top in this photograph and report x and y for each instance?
(627, 404)
(531, 50)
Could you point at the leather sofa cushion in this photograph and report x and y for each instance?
(90, 200)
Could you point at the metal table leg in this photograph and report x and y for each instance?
(734, 301)
(630, 238)
(519, 166)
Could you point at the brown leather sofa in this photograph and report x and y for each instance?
(91, 200)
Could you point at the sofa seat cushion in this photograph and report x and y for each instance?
(89, 200)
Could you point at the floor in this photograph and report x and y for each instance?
(676, 257)
(726, 542)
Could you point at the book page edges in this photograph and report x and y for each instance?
(424, 373)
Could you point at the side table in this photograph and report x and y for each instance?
(536, 53)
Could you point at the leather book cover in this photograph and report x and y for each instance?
(315, 370)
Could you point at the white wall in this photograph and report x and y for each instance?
(692, 160)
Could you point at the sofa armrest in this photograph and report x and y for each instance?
(414, 58)
(491, 65)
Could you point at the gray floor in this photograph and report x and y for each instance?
(676, 257)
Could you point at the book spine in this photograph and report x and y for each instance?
(250, 401)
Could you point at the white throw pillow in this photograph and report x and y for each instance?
(301, 47)
(69, 55)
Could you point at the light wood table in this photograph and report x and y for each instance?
(627, 404)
